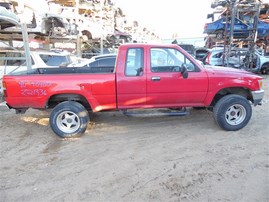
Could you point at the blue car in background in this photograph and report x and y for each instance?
(241, 29)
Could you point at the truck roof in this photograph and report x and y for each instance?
(149, 45)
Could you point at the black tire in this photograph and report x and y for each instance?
(69, 119)
(265, 69)
(232, 112)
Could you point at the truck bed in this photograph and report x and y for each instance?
(36, 88)
(67, 70)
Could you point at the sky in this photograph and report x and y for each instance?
(186, 18)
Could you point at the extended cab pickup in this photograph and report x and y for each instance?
(145, 76)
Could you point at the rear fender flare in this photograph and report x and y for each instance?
(58, 98)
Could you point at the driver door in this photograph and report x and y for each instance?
(166, 86)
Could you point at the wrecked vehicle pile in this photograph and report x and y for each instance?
(239, 37)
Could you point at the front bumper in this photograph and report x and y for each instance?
(257, 96)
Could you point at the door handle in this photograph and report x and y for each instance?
(156, 78)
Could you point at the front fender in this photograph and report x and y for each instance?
(232, 85)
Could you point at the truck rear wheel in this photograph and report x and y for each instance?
(69, 119)
(232, 112)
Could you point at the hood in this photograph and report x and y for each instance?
(225, 70)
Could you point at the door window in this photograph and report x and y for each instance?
(169, 60)
(134, 62)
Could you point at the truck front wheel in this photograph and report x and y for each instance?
(69, 119)
(232, 112)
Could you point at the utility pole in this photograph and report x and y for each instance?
(231, 37)
(253, 34)
(79, 53)
(26, 46)
(25, 37)
(102, 2)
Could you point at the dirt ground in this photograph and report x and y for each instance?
(135, 159)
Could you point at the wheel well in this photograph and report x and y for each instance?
(56, 99)
(235, 90)
(265, 65)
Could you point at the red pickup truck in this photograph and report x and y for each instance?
(145, 76)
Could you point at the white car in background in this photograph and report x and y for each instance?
(12, 61)
(96, 61)
(237, 59)
(262, 62)
(104, 63)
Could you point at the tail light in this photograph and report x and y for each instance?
(4, 89)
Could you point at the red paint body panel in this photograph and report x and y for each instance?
(35, 91)
(131, 91)
(173, 90)
(224, 77)
(118, 91)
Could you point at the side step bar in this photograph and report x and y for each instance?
(156, 112)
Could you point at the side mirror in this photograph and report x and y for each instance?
(139, 71)
(184, 71)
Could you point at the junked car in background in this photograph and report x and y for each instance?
(37, 21)
(262, 62)
(238, 59)
(201, 53)
(7, 18)
(241, 29)
(13, 61)
(99, 63)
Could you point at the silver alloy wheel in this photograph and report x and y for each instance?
(235, 114)
(68, 122)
